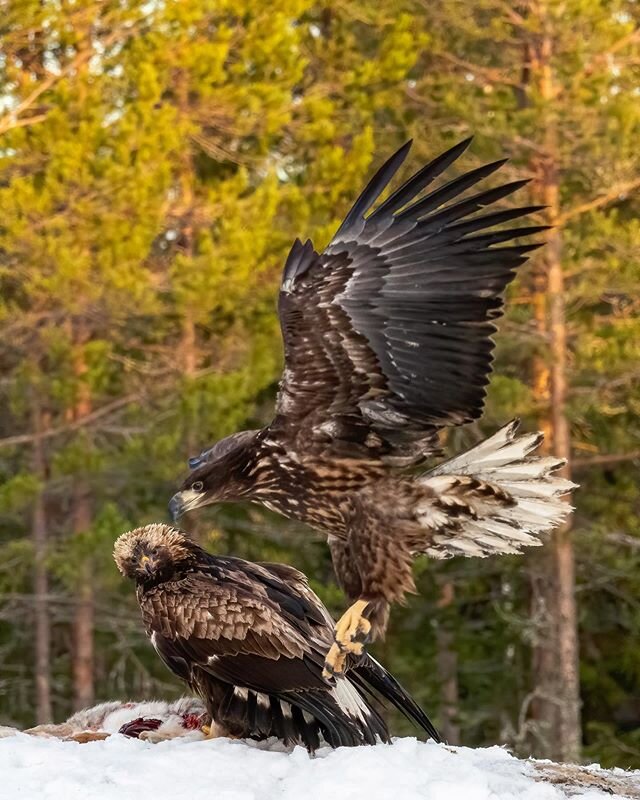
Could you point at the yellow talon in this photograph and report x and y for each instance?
(352, 624)
(351, 631)
(214, 731)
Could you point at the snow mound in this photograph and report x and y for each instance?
(120, 768)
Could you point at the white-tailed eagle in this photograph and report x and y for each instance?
(250, 640)
(387, 339)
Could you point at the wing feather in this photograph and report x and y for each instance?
(388, 331)
(259, 634)
(252, 638)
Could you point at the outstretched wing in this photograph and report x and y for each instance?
(387, 333)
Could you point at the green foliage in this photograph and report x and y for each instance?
(17, 492)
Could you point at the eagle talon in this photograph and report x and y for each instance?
(210, 731)
(339, 645)
(361, 636)
(328, 674)
(353, 627)
(334, 662)
(351, 633)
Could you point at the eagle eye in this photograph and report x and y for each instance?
(198, 486)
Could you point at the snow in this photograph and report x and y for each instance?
(120, 768)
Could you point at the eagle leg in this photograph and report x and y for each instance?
(350, 635)
(213, 730)
(210, 731)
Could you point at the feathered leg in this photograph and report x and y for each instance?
(374, 569)
(366, 618)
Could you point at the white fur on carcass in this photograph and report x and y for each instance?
(108, 718)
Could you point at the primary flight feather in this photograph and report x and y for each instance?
(387, 339)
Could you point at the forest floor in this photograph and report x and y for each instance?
(50, 769)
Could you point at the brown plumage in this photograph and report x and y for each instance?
(387, 339)
(250, 640)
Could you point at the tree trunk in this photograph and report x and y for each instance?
(447, 668)
(83, 618)
(42, 623)
(569, 731)
(555, 657)
(188, 351)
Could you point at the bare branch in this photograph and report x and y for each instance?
(617, 537)
(7, 125)
(617, 192)
(28, 438)
(604, 57)
(490, 74)
(604, 460)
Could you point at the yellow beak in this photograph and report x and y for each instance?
(146, 564)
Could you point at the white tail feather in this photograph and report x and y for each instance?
(490, 524)
(350, 700)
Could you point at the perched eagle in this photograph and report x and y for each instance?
(250, 640)
(387, 339)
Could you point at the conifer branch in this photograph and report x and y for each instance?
(615, 193)
(604, 460)
(27, 438)
(12, 119)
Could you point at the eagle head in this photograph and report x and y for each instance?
(221, 473)
(154, 552)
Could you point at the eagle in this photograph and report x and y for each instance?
(250, 640)
(387, 341)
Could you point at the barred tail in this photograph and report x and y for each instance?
(494, 498)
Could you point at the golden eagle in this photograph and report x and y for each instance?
(387, 339)
(250, 640)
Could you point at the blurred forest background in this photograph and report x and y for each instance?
(157, 160)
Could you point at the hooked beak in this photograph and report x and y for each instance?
(184, 501)
(176, 508)
(147, 564)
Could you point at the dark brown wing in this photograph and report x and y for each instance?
(261, 627)
(387, 333)
(241, 624)
(213, 618)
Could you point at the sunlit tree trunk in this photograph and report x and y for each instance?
(188, 351)
(42, 622)
(83, 619)
(555, 659)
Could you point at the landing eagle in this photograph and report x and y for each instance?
(250, 640)
(387, 340)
